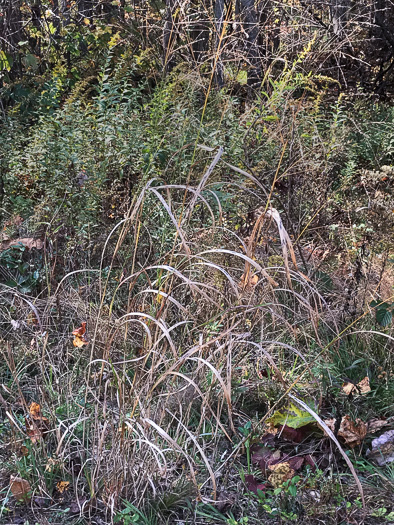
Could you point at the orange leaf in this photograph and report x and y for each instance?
(20, 489)
(79, 338)
(62, 486)
(80, 331)
(37, 424)
(79, 341)
(35, 410)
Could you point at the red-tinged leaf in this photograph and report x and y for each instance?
(295, 435)
(80, 331)
(309, 460)
(296, 463)
(253, 485)
(264, 457)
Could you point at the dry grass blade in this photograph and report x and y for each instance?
(202, 454)
(248, 260)
(201, 185)
(173, 219)
(285, 241)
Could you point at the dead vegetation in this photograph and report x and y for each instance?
(200, 377)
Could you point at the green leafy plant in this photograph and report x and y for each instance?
(383, 312)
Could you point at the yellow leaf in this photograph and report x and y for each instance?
(79, 337)
(79, 341)
(62, 486)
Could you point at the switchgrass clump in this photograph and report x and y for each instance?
(150, 403)
(209, 303)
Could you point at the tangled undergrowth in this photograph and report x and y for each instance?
(196, 303)
(196, 339)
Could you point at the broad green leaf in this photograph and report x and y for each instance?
(292, 416)
(383, 317)
(30, 61)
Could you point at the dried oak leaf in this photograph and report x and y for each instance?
(33, 431)
(36, 424)
(79, 336)
(351, 432)
(363, 387)
(348, 388)
(374, 425)
(248, 280)
(20, 488)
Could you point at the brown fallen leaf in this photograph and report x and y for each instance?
(51, 464)
(351, 432)
(363, 387)
(36, 424)
(81, 330)
(374, 425)
(33, 431)
(28, 242)
(248, 280)
(20, 488)
(349, 388)
(24, 451)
